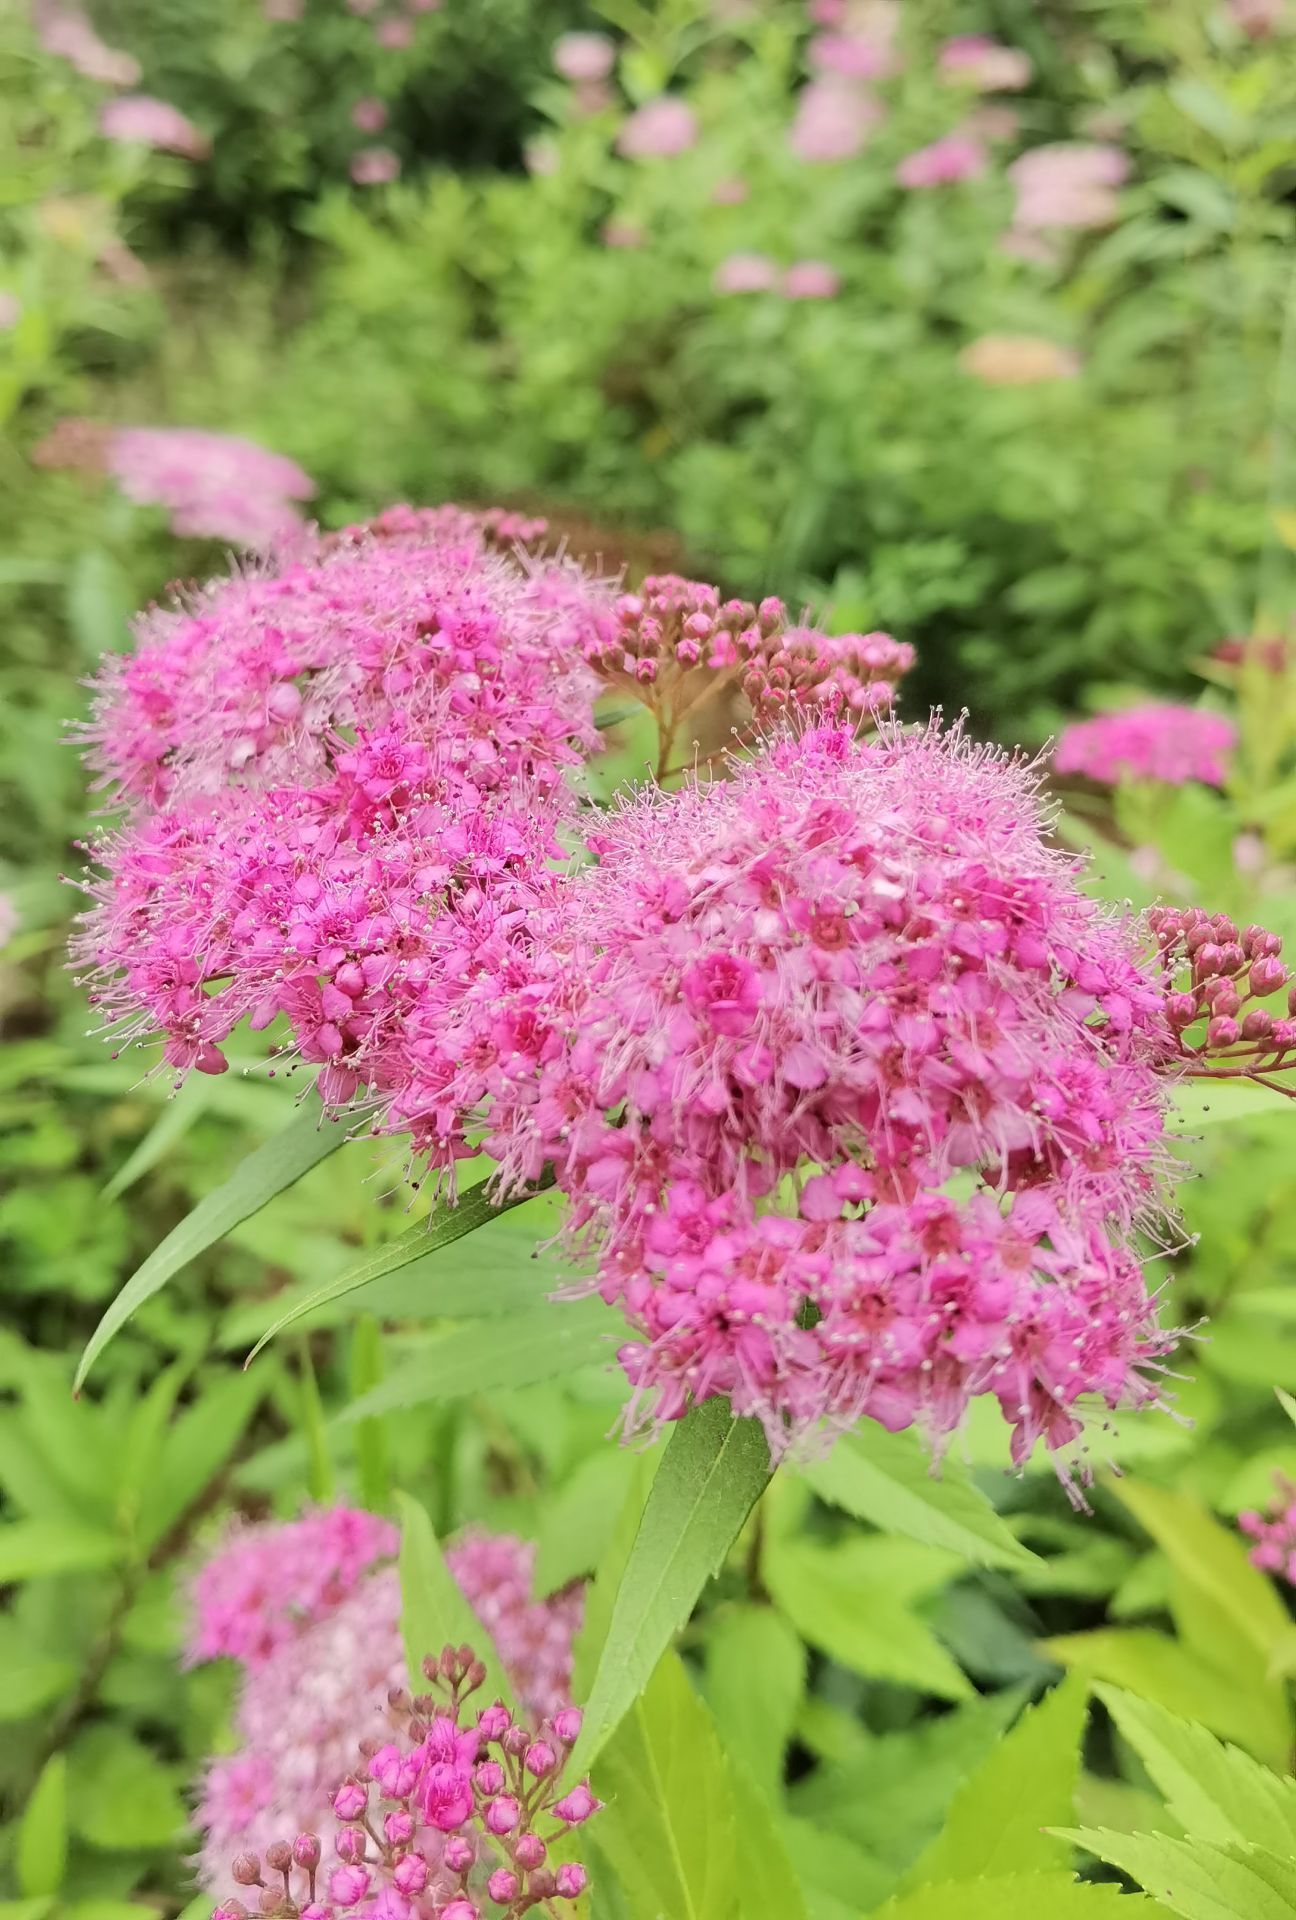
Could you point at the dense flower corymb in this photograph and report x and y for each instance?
(1159, 741)
(856, 1095)
(214, 485)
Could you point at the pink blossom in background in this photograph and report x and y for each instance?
(745, 273)
(589, 97)
(850, 56)
(541, 158)
(1274, 1533)
(67, 33)
(395, 34)
(362, 7)
(730, 192)
(975, 61)
(993, 121)
(959, 156)
(658, 130)
(283, 12)
(374, 167)
(139, 120)
(811, 280)
(622, 233)
(1159, 741)
(1068, 184)
(10, 310)
(1018, 360)
(8, 919)
(369, 115)
(1260, 18)
(826, 13)
(424, 6)
(214, 485)
(582, 57)
(833, 121)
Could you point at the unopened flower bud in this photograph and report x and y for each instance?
(270, 1900)
(1259, 941)
(502, 1815)
(1258, 1024)
(578, 1805)
(1207, 959)
(529, 1851)
(459, 1853)
(1181, 1009)
(503, 1887)
(306, 1851)
(542, 1885)
(567, 1725)
(494, 1722)
(351, 1845)
(398, 1827)
(1267, 975)
(475, 1676)
(1284, 1034)
(461, 1910)
(410, 1873)
(516, 1741)
(571, 1880)
(247, 1869)
(1232, 958)
(1222, 996)
(279, 1856)
(489, 1776)
(1223, 1031)
(540, 1759)
(348, 1886)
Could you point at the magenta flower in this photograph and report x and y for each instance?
(395, 34)
(374, 167)
(658, 130)
(851, 56)
(139, 120)
(833, 121)
(214, 485)
(811, 280)
(745, 273)
(268, 1583)
(67, 32)
(959, 156)
(369, 115)
(973, 60)
(1273, 1533)
(1159, 741)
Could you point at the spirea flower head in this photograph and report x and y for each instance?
(856, 1096)
(139, 120)
(834, 119)
(583, 57)
(215, 486)
(1273, 1532)
(304, 1707)
(959, 156)
(851, 56)
(659, 129)
(1067, 184)
(971, 59)
(1158, 741)
(745, 273)
(68, 33)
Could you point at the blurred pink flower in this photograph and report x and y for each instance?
(374, 166)
(395, 34)
(994, 121)
(369, 114)
(215, 486)
(283, 11)
(8, 919)
(583, 56)
(1259, 18)
(1157, 741)
(833, 121)
(811, 280)
(623, 233)
(658, 129)
(973, 60)
(541, 158)
(140, 120)
(745, 273)
(959, 156)
(1018, 360)
(730, 192)
(850, 56)
(10, 310)
(68, 33)
(1068, 184)
(826, 13)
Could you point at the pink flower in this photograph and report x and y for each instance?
(1274, 1533)
(10, 310)
(1018, 360)
(369, 115)
(833, 121)
(583, 56)
(959, 156)
(1159, 741)
(811, 280)
(142, 121)
(67, 32)
(851, 56)
(214, 485)
(730, 192)
(1066, 185)
(622, 233)
(1260, 18)
(658, 130)
(395, 34)
(974, 60)
(374, 166)
(745, 273)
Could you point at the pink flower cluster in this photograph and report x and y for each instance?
(1217, 978)
(973, 60)
(959, 156)
(215, 486)
(322, 1653)
(743, 273)
(834, 120)
(1067, 184)
(139, 120)
(658, 130)
(855, 1097)
(345, 778)
(68, 33)
(468, 1808)
(1158, 741)
(1274, 1533)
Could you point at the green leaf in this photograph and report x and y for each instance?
(1025, 1784)
(601, 1592)
(29, 1677)
(320, 1478)
(755, 1720)
(1026, 1896)
(670, 1826)
(197, 1446)
(370, 1440)
(252, 1185)
(1159, 1669)
(1200, 1104)
(1212, 1559)
(768, 1885)
(1200, 1880)
(855, 1602)
(434, 1612)
(32, 1548)
(1216, 1792)
(42, 1833)
(171, 1125)
(484, 1356)
(444, 1226)
(578, 1521)
(120, 1796)
(886, 1479)
(714, 1470)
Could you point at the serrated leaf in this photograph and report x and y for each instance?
(1212, 1559)
(1216, 1792)
(755, 1721)
(670, 1826)
(846, 1602)
(41, 1853)
(1026, 1783)
(484, 1356)
(253, 1184)
(441, 1229)
(1027, 1896)
(1159, 1669)
(712, 1473)
(120, 1796)
(1199, 1880)
(768, 1886)
(30, 1549)
(434, 1612)
(886, 1479)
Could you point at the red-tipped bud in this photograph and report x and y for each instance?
(1223, 1031)
(306, 1851)
(1268, 975)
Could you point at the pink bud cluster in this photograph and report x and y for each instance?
(1274, 1533)
(1218, 977)
(316, 1627)
(215, 486)
(856, 1097)
(1157, 741)
(452, 1812)
(137, 119)
(1067, 184)
(68, 33)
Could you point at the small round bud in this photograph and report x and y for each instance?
(279, 1856)
(503, 1814)
(461, 1910)
(489, 1777)
(410, 1873)
(1223, 1031)
(529, 1851)
(459, 1853)
(306, 1851)
(1258, 1024)
(1267, 975)
(567, 1725)
(270, 1900)
(578, 1805)
(348, 1886)
(247, 1869)
(398, 1827)
(1207, 959)
(1222, 996)
(516, 1741)
(540, 1759)
(351, 1845)
(1232, 958)
(1284, 1034)
(542, 1885)
(503, 1887)
(1181, 1009)
(494, 1722)
(571, 1880)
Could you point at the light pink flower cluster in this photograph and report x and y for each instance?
(1066, 185)
(139, 120)
(451, 1809)
(855, 1096)
(1274, 1533)
(1159, 741)
(68, 33)
(215, 486)
(742, 273)
(658, 130)
(345, 777)
(959, 156)
(971, 59)
(321, 1657)
(850, 56)
(834, 119)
